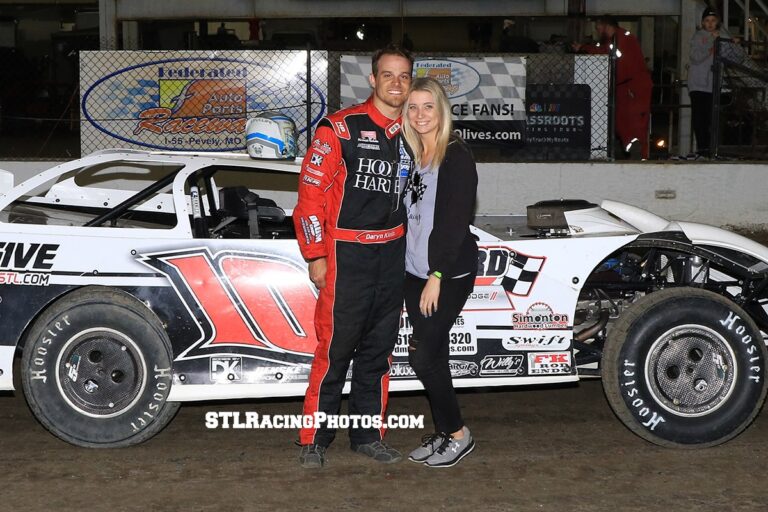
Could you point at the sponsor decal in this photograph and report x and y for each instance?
(277, 373)
(226, 368)
(488, 298)
(25, 278)
(401, 371)
(321, 147)
(374, 175)
(199, 101)
(539, 316)
(367, 136)
(406, 163)
(463, 368)
(341, 127)
(393, 129)
(196, 103)
(316, 229)
(514, 271)
(27, 256)
(495, 365)
(457, 79)
(535, 340)
(316, 159)
(309, 180)
(249, 304)
(549, 363)
(314, 172)
(73, 367)
(461, 341)
(460, 344)
(26, 264)
(558, 120)
(313, 232)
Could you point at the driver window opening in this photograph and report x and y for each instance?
(241, 204)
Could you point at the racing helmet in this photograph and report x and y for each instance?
(271, 135)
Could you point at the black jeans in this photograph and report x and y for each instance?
(429, 349)
(701, 119)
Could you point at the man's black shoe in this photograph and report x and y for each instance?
(378, 451)
(312, 456)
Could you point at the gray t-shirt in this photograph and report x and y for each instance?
(420, 204)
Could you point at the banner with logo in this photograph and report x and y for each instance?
(558, 122)
(194, 100)
(487, 94)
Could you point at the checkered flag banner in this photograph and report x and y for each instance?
(496, 84)
(522, 273)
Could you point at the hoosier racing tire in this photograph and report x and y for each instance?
(685, 368)
(96, 370)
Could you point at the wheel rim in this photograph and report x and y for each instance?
(101, 372)
(691, 370)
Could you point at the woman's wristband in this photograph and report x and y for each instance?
(437, 274)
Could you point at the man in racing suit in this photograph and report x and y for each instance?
(633, 84)
(350, 224)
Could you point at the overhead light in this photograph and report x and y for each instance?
(661, 143)
(360, 32)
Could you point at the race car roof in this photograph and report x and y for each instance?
(212, 158)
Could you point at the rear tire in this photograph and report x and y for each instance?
(96, 369)
(685, 368)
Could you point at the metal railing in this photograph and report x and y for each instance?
(734, 71)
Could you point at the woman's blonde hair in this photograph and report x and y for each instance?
(445, 123)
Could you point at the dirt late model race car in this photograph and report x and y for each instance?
(132, 281)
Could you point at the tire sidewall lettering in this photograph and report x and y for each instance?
(49, 338)
(740, 336)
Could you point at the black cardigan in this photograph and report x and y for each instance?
(452, 248)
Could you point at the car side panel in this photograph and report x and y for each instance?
(239, 313)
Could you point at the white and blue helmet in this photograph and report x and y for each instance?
(271, 135)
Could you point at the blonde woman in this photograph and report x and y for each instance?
(441, 260)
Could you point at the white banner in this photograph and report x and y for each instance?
(193, 100)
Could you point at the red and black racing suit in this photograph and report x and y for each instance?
(350, 212)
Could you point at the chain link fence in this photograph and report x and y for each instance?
(200, 101)
(739, 100)
(195, 101)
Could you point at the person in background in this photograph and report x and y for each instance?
(512, 43)
(350, 225)
(441, 261)
(633, 84)
(700, 78)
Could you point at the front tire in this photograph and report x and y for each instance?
(685, 368)
(96, 369)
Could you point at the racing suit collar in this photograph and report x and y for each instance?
(391, 126)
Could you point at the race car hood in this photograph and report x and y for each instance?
(699, 234)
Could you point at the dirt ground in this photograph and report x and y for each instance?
(544, 449)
